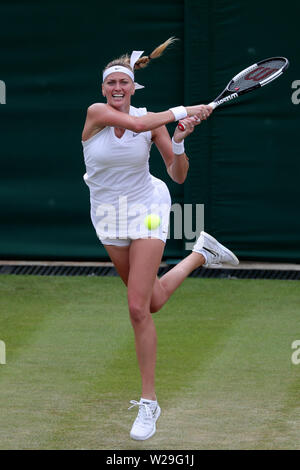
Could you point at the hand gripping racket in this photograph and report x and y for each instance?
(251, 78)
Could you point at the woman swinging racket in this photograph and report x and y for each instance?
(116, 143)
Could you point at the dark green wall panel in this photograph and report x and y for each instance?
(244, 162)
(52, 62)
(245, 165)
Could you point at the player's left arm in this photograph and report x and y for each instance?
(177, 165)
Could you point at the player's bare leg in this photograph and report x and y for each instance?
(165, 286)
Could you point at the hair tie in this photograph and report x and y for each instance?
(135, 55)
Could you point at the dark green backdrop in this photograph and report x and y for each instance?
(244, 162)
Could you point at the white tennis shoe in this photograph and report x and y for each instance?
(144, 425)
(214, 253)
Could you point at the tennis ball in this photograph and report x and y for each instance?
(152, 221)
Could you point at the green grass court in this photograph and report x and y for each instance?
(225, 379)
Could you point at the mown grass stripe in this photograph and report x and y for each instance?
(224, 374)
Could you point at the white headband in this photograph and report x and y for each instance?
(119, 68)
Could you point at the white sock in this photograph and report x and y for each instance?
(147, 400)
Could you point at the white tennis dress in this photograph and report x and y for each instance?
(122, 190)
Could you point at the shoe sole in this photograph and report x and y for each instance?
(138, 438)
(232, 255)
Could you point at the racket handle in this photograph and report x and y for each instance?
(181, 126)
(213, 105)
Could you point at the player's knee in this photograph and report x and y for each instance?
(137, 310)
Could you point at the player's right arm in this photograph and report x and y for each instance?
(100, 115)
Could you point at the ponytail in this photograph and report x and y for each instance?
(144, 60)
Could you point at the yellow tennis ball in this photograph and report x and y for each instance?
(152, 221)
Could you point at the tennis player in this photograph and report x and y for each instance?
(116, 143)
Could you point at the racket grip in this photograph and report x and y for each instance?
(181, 126)
(213, 105)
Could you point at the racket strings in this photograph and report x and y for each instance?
(254, 75)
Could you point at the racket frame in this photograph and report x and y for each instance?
(234, 94)
(228, 95)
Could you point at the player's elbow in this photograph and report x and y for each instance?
(180, 179)
(177, 178)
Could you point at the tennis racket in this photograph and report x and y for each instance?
(251, 78)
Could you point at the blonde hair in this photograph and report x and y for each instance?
(143, 61)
